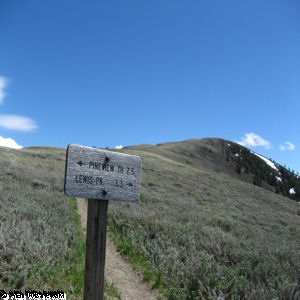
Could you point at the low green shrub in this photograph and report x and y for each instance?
(41, 242)
(210, 236)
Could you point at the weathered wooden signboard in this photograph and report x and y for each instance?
(100, 174)
(104, 175)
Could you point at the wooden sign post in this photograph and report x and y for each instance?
(100, 175)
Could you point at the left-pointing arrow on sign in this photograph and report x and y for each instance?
(81, 163)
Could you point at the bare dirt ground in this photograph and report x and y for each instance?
(117, 271)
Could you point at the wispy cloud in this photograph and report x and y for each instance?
(13, 122)
(119, 147)
(10, 143)
(254, 140)
(19, 123)
(3, 84)
(287, 146)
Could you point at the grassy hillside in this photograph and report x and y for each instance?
(232, 159)
(203, 232)
(201, 229)
(41, 243)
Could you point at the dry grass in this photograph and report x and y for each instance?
(198, 233)
(41, 244)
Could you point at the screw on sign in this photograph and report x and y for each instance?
(100, 175)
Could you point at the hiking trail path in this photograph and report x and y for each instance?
(117, 271)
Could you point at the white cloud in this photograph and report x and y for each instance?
(3, 85)
(119, 147)
(19, 123)
(10, 143)
(14, 122)
(254, 140)
(287, 146)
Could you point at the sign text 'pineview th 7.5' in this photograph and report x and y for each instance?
(101, 174)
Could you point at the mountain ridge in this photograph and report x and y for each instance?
(230, 158)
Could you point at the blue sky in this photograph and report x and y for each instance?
(110, 73)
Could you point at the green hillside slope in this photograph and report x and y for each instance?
(200, 230)
(229, 158)
(205, 233)
(41, 243)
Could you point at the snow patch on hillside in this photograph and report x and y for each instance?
(267, 161)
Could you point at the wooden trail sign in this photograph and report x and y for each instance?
(100, 175)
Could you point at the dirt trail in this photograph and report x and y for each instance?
(118, 271)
